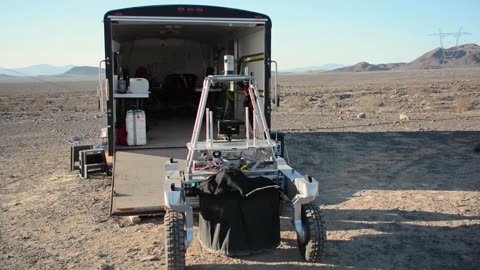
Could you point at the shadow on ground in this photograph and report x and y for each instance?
(387, 160)
(348, 163)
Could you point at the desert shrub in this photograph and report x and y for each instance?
(6, 107)
(36, 106)
(465, 104)
(369, 103)
(298, 103)
(334, 102)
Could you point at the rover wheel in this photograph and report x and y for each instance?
(312, 247)
(174, 240)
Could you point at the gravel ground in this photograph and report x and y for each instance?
(395, 194)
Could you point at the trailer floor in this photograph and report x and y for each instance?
(138, 179)
(163, 133)
(173, 132)
(138, 171)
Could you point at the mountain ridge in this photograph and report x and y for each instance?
(82, 71)
(465, 55)
(461, 56)
(326, 67)
(37, 70)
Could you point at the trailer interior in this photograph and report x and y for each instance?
(174, 55)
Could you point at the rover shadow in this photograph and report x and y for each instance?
(347, 163)
(381, 239)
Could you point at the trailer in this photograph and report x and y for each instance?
(173, 47)
(186, 84)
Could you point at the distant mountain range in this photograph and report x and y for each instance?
(364, 66)
(48, 70)
(462, 56)
(36, 70)
(313, 68)
(82, 71)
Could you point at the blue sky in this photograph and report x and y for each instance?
(305, 33)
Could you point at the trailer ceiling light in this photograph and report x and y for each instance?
(199, 9)
(190, 9)
(118, 14)
(180, 9)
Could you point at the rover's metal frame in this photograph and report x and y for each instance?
(296, 188)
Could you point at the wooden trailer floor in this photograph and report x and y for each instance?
(138, 180)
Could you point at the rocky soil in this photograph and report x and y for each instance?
(396, 194)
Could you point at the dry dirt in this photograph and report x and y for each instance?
(395, 194)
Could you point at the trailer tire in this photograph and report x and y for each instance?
(174, 240)
(312, 247)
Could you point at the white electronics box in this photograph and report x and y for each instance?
(138, 86)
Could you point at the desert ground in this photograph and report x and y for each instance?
(395, 193)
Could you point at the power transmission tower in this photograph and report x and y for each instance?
(449, 54)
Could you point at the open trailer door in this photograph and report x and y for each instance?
(138, 180)
(183, 40)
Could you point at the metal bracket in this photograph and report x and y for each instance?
(308, 191)
(174, 199)
(174, 202)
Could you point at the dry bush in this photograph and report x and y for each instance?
(369, 103)
(334, 102)
(340, 102)
(37, 106)
(7, 106)
(427, 103)
(298, 103)
(465, 104)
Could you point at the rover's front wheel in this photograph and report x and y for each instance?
(312, 246)
(174, 240)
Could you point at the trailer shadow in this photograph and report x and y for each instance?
(390, 239)
(409, 169)
(347, 162)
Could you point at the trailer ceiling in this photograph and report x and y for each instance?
(134, 30)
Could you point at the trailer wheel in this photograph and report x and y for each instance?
(312, 247)
(174, 240)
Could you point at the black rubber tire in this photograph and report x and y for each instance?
(315, 235)
(174, 241)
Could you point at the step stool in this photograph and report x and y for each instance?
(92, 160)
(75, 154)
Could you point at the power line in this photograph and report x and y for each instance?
(449, 53)
(38, 79)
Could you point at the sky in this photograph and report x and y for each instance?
(304, 33)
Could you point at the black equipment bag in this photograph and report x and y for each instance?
(239, 215)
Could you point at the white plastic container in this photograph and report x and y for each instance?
(138, 86)
(229, 64)
(136, 124)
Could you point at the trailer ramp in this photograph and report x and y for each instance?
(138, 177)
